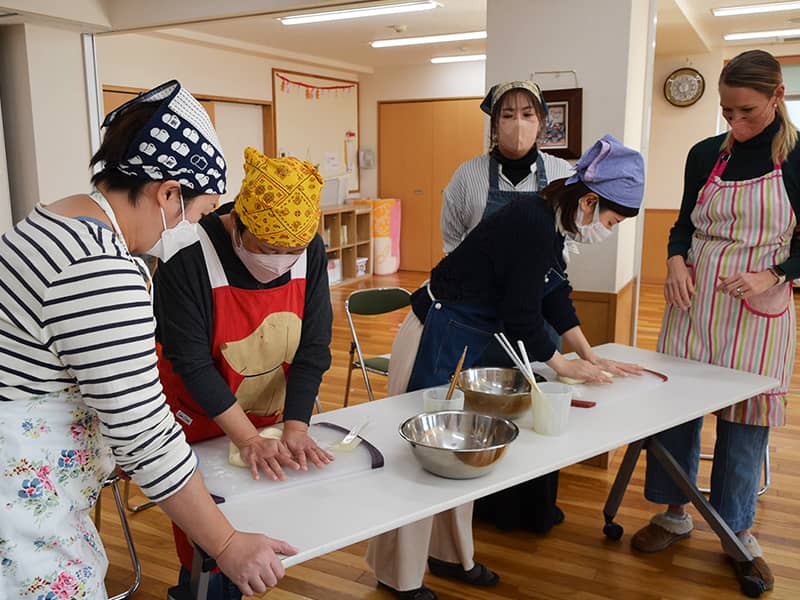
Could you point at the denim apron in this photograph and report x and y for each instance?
(449, 326)
(498, 198)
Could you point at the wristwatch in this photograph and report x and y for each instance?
(779, 273)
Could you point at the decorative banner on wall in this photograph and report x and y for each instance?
(311, 91)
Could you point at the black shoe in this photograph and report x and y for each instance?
(479, 575)
(421, 593)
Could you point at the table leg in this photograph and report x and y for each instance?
(751, 586)
(611, 529)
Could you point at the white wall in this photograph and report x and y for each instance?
(15, 88)
(143, 61)
(59, 106)
(6, 221)
(608, 56)
(87, 14)
(45, 114)
(675, 130)
(238, 126)
(410, 83)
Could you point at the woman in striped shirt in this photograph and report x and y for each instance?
(78, 374)
(513, 166)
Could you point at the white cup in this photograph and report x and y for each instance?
(433, 400)
(551, 408)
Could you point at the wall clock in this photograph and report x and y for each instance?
(684, 87)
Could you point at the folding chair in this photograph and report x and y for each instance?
(112, 482)
(371, 302)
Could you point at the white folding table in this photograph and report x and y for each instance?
(321, 517)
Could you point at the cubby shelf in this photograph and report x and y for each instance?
(347, 233)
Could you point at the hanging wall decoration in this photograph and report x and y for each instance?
(313, 91)
(316, 119)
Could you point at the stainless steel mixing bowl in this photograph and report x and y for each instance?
(495, 391)
(458, 444)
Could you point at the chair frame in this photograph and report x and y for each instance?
(112, 482)
(355, 346)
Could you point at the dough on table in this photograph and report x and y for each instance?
(270, 433)
(572, 381)
(235, 458)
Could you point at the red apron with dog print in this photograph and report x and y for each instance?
(254, 339)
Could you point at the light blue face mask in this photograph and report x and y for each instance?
(174, 239)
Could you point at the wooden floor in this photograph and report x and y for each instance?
(574, 561)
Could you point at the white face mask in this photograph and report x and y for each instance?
(176, 238)
(263, 267)
(593, 233)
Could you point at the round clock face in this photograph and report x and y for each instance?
(684, 87)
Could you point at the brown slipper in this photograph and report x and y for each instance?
(758, 574)
(661, 533)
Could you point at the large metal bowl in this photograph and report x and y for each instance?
(497, 391)
(458, 444)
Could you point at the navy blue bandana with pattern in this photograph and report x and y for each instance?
(178, 142)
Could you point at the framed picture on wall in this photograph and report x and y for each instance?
(562, 134)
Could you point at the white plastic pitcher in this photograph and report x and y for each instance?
(551, 408)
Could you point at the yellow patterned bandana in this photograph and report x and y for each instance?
(279, 199)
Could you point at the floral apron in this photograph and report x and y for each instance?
(740, 226)
(53, 462)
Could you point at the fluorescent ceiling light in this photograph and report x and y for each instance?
(429, 39)
(360, 13)
(755, 35)
(754, 9)
(460, 58)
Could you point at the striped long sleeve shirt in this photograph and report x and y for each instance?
(464, 198)
(75, 311)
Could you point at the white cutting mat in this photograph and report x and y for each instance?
(223, 479)
(622, 387)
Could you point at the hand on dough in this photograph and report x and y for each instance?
(265, 451)
(582, 371)
(608, 368)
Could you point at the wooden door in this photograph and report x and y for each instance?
(458, 135)
(405, 153)
(269, 131)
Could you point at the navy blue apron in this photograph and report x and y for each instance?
(498, 198)
(449, 326)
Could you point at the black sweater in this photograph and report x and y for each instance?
(749, 160)
(184, 310)
(502, 264)
(516, 169)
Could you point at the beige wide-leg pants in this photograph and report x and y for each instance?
(399, 557)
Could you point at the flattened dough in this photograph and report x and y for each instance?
(235, 458)
(571, 381)
(270, 433)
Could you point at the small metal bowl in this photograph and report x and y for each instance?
(497, 391)
(458, 444)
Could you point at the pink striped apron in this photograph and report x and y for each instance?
(740, 226)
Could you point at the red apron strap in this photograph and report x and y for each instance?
(717, 171)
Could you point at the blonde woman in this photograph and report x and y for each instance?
(729, 296)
